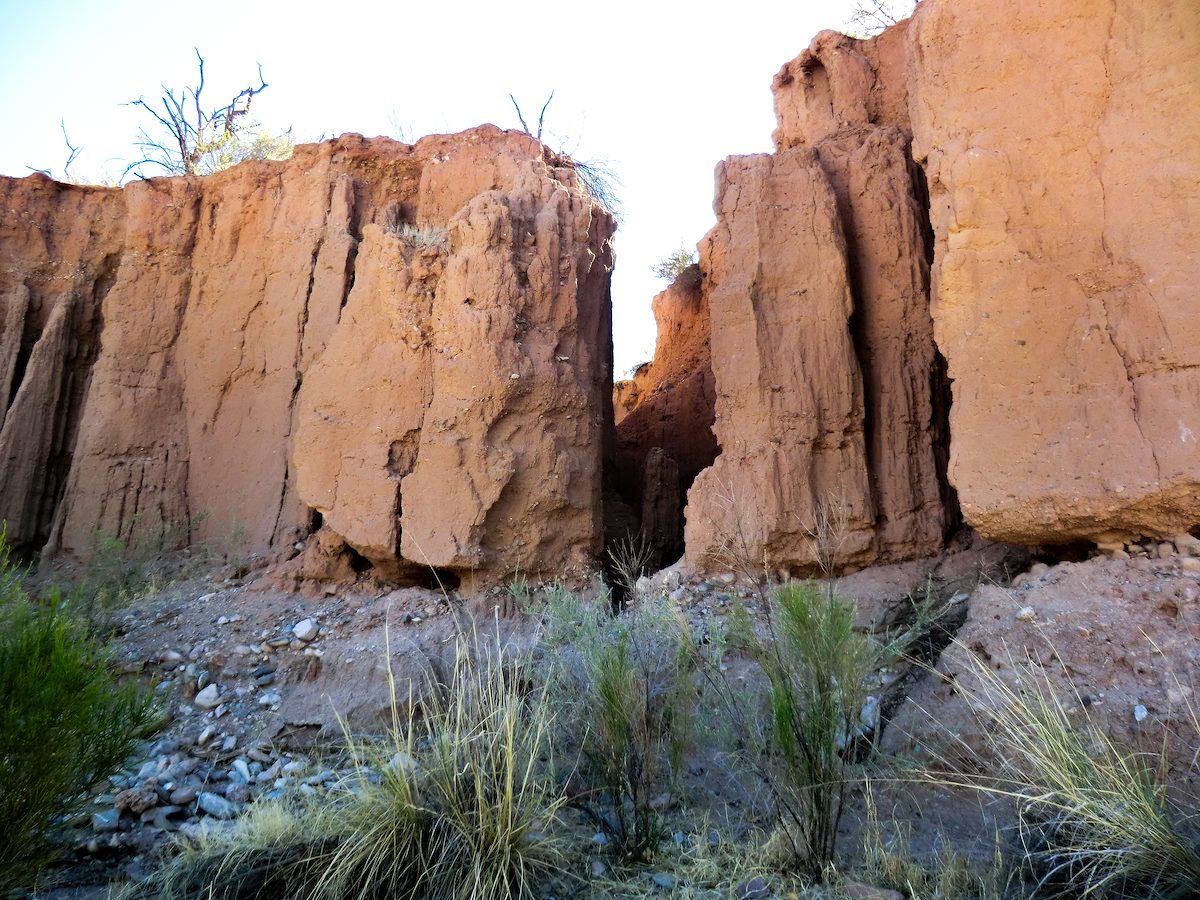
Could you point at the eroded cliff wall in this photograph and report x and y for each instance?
(829, 390)
(1062, 147)
(164, 334)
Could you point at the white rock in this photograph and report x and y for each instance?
(306, 630)
(1026, 614)
(208, 698)
(1139, 713)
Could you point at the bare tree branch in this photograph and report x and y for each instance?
(190, 137)
(542, 114)
(520, 118)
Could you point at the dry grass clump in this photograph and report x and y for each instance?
(455, 803)
(1094, 819)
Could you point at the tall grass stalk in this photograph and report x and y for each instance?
(1094, 819)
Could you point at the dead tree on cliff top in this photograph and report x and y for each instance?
(193, 133)
(869, 17)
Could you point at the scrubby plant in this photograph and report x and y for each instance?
(627, 561)
(456, 802)
(1093, 818)
(674, 264)
(65, 723)
(816, 664)
(627, 687)
(422, 236)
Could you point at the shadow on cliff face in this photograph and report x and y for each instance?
(663, 419)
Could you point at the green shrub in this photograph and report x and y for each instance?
(456, 803)
(674, 264)
(64, 723)
(816, 667)
(627, 687)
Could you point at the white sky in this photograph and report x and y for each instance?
(661, 91)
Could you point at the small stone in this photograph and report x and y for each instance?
(402, 762)
(264, 680)
(1026, 614)
(228, 743)
(182, 796)
(1139, 713)
(599, 870)
(1189, 564)
(1038, 569)
(270, 698)
(704, 587)
(306, 630)
(1166, 550)
(170, 657)
(727, 578)
(678, 595)
(663, 880)
(137, 800)
(600, 839)
(208, 698)
(278, 643)
(240, 771)
(754, 889)
(237, 793)
(1110, 546)
(216, 806)
(1120, 554)
(108, 820)
(205, 736)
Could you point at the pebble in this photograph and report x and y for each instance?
(108, 820)
(208, 698)
(1139, 713)
(599, 869)
(664, 880)
(237, 793)
(600, 839)
(306, 630)
(754, 889)
(217, 806)
(270, 698)
(242, 771)
(1026, 614)
(182, 796)
(1190, 564)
